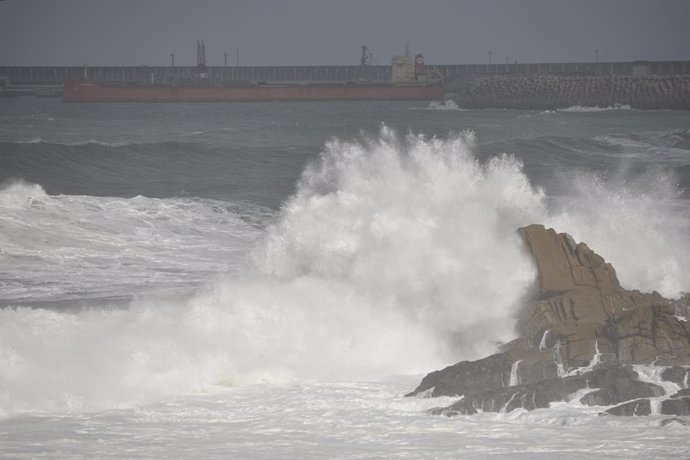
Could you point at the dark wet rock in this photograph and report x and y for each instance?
(490, 373)
(610, 384)
(616, 384)
(676, 406)
(578, 317)
(462, 407)
(681, 393)
(675, 374)
(467, 377)
(636, 407)
(531, 396)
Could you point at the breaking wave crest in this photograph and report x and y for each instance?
(396, 255)
(448, 104)
(393, 256)
(17, 194)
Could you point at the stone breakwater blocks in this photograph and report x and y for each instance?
(549, 92)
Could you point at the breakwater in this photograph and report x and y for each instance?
(548, 92)
(640, 84)
(55, 75)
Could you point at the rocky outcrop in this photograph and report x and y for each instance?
(548, 92)
(606, 384)
(579, 332)
(581, 304)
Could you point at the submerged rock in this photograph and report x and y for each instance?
(579, 330)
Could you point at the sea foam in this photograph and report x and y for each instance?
(398, 254)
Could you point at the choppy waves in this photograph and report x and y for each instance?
(56, 247)
(396, 255)
(38, 140)
(161, 170)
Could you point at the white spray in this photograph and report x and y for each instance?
(394, 256)
(640, 226)
(515, 374)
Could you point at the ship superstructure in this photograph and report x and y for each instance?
(411, 80)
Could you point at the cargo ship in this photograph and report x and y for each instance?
(411, 80)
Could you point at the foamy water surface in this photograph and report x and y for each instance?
(190, 326)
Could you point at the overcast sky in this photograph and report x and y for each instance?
(331, 32)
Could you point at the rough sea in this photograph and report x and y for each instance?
(267, 280)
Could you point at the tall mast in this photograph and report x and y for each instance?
(200, 59)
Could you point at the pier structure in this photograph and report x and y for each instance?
(168, 74)
(55, 75)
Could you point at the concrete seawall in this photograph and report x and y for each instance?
(55, 75)
(547, 92)
(641, 84)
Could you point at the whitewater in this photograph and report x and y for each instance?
(272, 285)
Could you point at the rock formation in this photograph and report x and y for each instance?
(581, 335)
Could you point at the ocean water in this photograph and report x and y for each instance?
(268, 280)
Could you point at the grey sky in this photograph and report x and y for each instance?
(330, 32)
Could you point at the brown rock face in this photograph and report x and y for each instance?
(578, 316)
(564, 265)
(581, 304)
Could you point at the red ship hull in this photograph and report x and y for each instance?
(88, 91)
